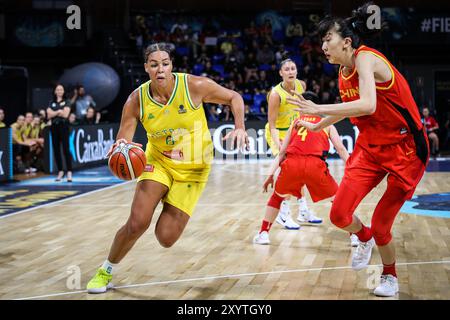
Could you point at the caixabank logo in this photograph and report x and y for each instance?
(90, 144)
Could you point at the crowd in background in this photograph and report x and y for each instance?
(242, 56)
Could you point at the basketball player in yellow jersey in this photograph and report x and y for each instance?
(179, 152)
(280, 116)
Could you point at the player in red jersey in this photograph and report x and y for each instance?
(392, 139)
(302, 161)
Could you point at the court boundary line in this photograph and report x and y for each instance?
(239, 275)
(62, 200)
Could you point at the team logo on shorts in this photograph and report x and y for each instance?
(149, 168)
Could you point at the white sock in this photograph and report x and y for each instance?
(302, 204)
(109, 267)
(284, 208)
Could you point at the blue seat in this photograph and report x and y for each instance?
(198, 69)
(182, 51)
(248, 97)
(278, 35)
(219, 68)
(257, 99)
(217, 58)
(298, 59)
(264, 67)
(328, 69)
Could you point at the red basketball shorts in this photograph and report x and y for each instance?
(311, 171)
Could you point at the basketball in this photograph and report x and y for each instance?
(127, 161)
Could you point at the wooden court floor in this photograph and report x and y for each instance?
(51, 252)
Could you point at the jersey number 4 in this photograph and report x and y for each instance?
(303, 133)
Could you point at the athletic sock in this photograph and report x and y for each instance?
(108, 267)
(365, 234)
(389, 269)
(302, 204)
(265, 226)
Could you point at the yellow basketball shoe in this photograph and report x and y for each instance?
(100, 283)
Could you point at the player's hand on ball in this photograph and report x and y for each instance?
(118, 142)
(269, 181)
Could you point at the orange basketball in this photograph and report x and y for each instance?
(127, 161)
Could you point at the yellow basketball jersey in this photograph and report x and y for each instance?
(177, 132)
(286, 113)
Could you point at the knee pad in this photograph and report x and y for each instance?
(275, 201)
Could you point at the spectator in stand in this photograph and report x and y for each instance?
(306, 49)
(81, 101)
(44, 121)
(251, 65)
(139, 33)
(294, 32)
(263, 84)
(73, 119)
(28, 125)
(37, 136)
(21, 147)
(272, 74)
(281, 54)
(265, 55)
(432, 130)
(251, 33)
(266, 32)
(91, 117)
(333, 90)
(2, 118)
(58, 111)
(227, 46)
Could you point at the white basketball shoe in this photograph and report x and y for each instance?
(388, 286)
(362, 254)
(354, 240)
(261, 238)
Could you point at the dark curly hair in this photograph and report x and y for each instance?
(354, 27)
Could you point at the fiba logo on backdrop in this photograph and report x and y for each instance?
(74, 20)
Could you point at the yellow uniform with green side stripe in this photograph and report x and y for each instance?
(179, 149)
(286, 114)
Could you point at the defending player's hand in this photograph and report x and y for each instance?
(240, 136)
(308, 125)
(269, 181)
(115, 144)
(304, 106)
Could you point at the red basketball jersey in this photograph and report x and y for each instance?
(304, 142)
(396, 112)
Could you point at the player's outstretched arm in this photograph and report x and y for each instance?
(209, 91)
(322, 124)
(337, 143)
(365, 105)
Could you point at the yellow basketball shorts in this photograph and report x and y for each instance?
(270, 142)
(183, 195)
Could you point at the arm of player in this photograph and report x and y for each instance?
(272, 115)
(207, 90)
(276, 162)
(365, 105)
(128, 122)
(337, 143)
(322, 124)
